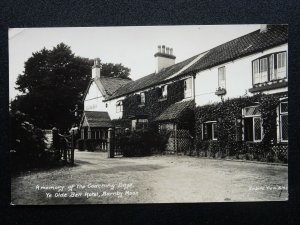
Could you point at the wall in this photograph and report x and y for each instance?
(238, 78)
(94, 102)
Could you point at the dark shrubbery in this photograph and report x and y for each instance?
(27, 144)
(80, 144)
(143, 143)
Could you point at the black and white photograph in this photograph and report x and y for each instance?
(148, 114)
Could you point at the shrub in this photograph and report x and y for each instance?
(27, 143)
(80, 144)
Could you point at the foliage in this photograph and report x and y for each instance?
(153, 106)
(143, 143)
(27, 143)
(229, 141)
(53, 82)
(115, 70)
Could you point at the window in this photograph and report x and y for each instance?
(119, 106)
(166, 126)
(143, 98)
(139, 124)
(164, 91)
(252, 124)
(209, 130)
(188, 88)
(283, 125)
(268, 68)
(221, 78)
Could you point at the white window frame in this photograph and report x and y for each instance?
(212, 130)
(222, 82)
(119, 106)
(272, 72)
(188, 93)
(281, 114)
(253, 124)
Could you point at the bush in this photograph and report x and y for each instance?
(143, 143)
(27, 144)
(80, 144)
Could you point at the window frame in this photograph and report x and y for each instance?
(185, 88)
(253, 124)
(224, 75)
(213, 138)
(119, 106)
(269, 77)
(281, 114)
(143, 98)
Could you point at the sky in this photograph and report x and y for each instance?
(134, 46)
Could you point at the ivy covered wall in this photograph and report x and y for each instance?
(153, 106)
(228, 117)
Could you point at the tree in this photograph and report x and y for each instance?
(53, 82)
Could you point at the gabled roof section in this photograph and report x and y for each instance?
(107, 85)
(245, 45)
(111, 84)
(174, 111)
(152, 79)
(97, 119)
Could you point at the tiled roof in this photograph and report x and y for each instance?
(152, 79)
(174, 111)
(111, 84)
(245, 45)
(237, 48)
(97, 119)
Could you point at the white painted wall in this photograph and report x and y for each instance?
(238, 78)
(94, 99)
(94, 102)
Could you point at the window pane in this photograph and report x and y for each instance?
(188, 88)
(215, 131)
(264, 69)
(255, 72)
(284, 127)
(221, 75)
(257, 129)
(281, 65)
(248, 129)
(271, 67)
(251, 111)
(284, 107)
(143, 99)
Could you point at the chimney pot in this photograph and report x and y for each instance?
(167, 52)
(159, 48)
(163, 49)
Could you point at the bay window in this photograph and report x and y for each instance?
(269, 67)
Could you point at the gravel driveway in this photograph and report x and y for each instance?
(156, 179)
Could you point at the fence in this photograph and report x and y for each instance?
(180, 142)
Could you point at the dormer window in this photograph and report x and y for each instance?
(268, 68)
(163, 92)
(119, 106)
(187, 88)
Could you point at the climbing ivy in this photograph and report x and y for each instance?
(228, 115)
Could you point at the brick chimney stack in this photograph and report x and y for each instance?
(263, 28)
(164, 57)
(96, 69)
